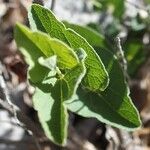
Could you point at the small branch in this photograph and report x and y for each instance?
(52, 5)
(121, 57)
(6, 96)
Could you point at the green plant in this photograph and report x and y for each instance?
(69, 74)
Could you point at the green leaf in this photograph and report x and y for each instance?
(49, 101)
(113, 106)
(50, 62)
(42, 19)
(75, 75)
(37, 44)
(52, 112)
(93, 38)
(31, 53)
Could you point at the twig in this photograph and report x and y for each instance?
(52, 5)
(121, 57)
(7, 97)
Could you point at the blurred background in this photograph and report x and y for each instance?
(128, 19)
